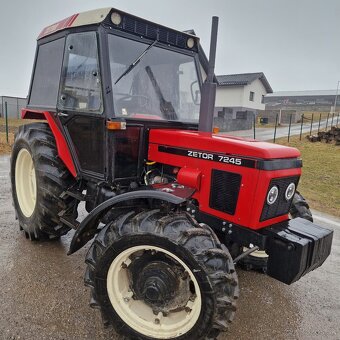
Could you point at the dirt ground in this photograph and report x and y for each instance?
(42, 294)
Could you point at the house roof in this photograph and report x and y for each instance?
(243, 79)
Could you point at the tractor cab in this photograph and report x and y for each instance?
(106, 65)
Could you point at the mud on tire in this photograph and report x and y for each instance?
(177, 233)
(37, 142)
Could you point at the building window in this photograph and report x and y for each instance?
(262, 100)
(251, 96)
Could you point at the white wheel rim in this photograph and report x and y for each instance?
(25, 182)
(136, 313)
(257, 253)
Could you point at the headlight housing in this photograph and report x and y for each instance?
(272, 195)
(290, 191)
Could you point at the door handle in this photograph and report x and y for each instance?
(62, 114)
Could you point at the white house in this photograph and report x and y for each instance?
(242, 92)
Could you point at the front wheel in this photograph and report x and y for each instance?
(161, 276)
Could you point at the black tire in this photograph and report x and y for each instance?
(195, 244)
(299, 208)
(52, 178)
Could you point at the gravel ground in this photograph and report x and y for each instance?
(42, 294)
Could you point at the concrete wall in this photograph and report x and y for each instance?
(233, 119)
(14, 106)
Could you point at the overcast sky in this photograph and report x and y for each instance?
(296, 43)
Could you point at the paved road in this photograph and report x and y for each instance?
(267, 134)
(42, 294)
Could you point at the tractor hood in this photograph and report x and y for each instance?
(223, 144)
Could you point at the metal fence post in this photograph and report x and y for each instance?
(327, 121)
(319, 123)
(6, 122)
(311, 125)
(275, 127)
(290, 123)
(302, 117)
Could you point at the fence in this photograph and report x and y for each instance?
(14, 106)
(307, 124)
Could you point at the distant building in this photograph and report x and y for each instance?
(322, 100)
(14, 106)
(239, 98)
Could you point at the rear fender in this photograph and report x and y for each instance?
(62, 147)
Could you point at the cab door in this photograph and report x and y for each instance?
(80, 103)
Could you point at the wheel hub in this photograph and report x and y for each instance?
(157, 283)
(154, 292)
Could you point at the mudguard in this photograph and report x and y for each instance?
(62, 147)
(89, 226)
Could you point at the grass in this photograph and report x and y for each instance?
(316, 115)
(320, 180)
(13, 124)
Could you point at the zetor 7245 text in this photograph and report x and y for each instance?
(172, 207)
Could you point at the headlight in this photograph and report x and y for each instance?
(290, 191)
(272, 195)
(116, 18)
(190, 42)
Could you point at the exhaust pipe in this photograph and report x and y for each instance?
(208, 96)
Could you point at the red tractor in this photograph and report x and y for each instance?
(171, 206)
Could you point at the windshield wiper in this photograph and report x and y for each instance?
(166, 107)
(133, 64)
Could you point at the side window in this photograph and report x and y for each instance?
(251, 96)
(45, 84)
(80, 88)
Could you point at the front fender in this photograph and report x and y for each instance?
(88, 227)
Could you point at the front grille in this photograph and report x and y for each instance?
(224, 190)
(281, 206)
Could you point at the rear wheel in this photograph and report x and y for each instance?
(161, 276)
(258, 259)
(38, 178)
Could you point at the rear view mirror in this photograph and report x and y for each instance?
(195, 92)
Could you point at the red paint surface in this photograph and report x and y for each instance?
(190, 177)
(254, 183)
(58, 26)
(62, 147)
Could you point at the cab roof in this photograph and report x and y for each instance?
(128, 23)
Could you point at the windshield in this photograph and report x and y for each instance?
(162, 85)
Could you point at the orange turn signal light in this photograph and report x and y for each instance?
(216, 129)
(115, 125)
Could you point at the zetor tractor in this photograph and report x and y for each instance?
(172, 207)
